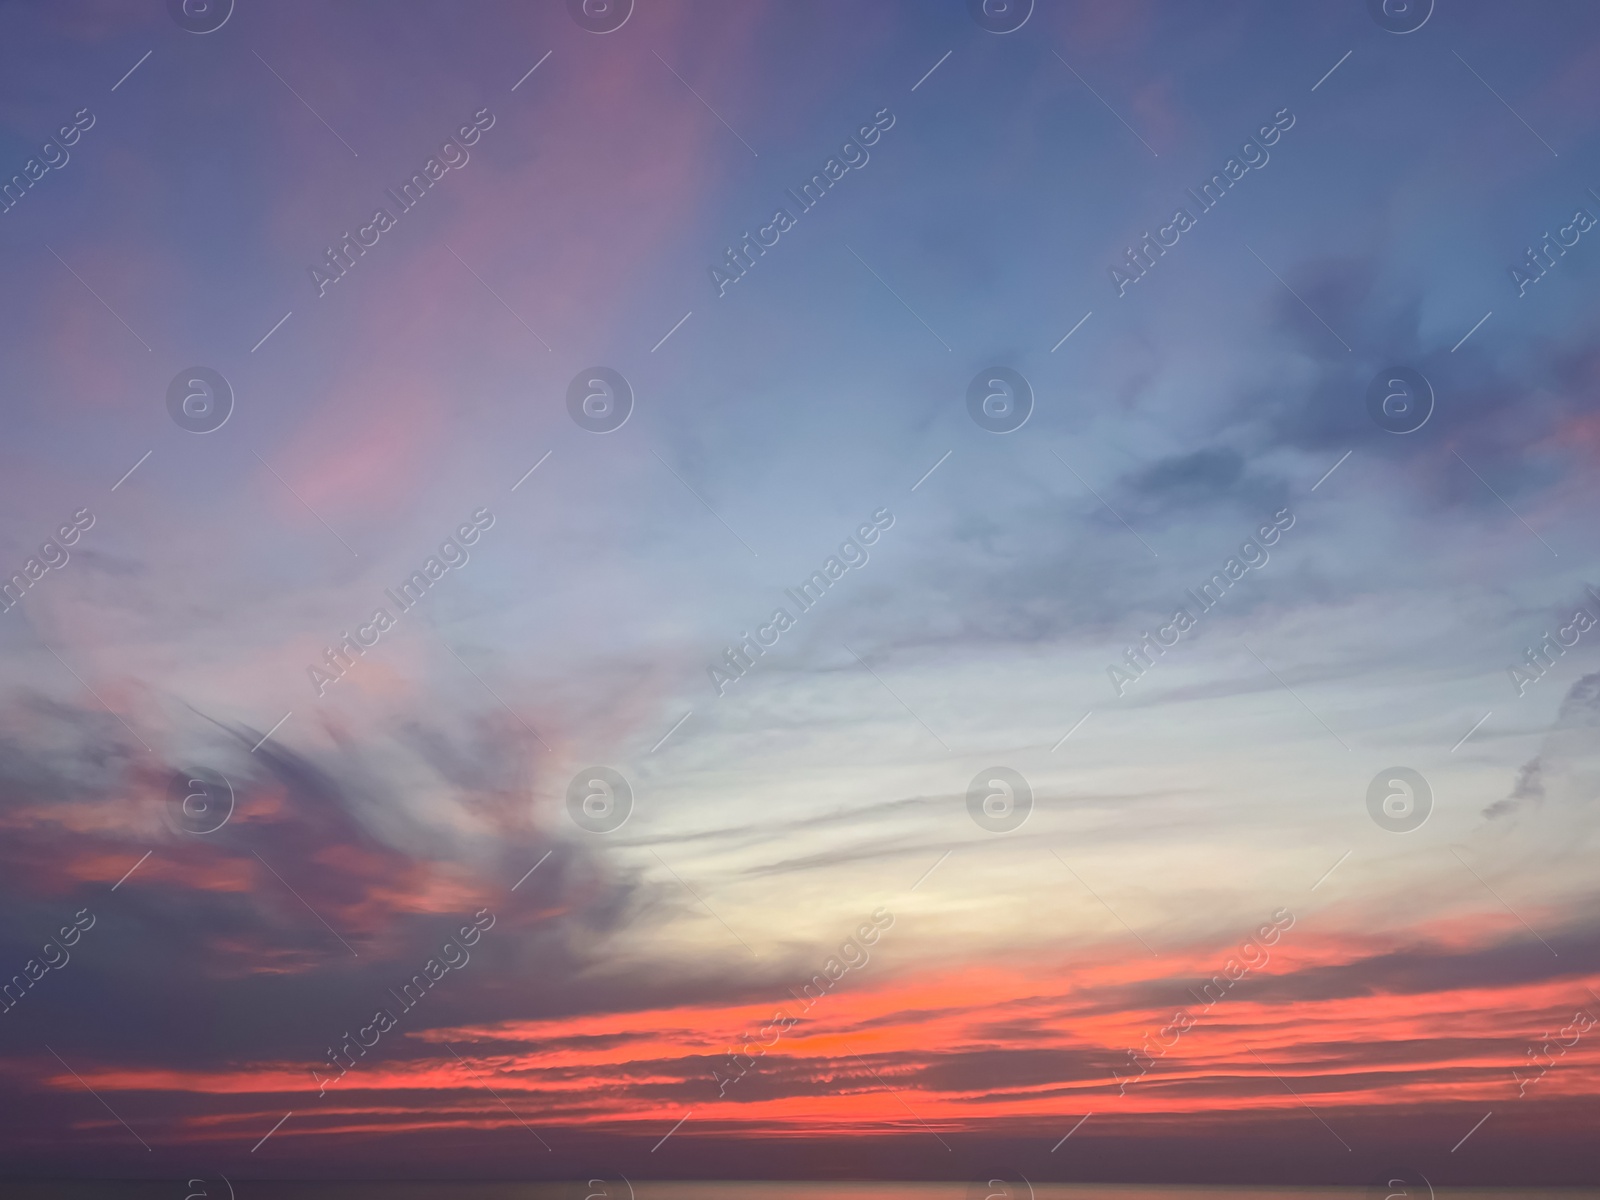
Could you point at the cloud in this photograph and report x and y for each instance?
(1568, 760)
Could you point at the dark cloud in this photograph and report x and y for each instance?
(236, 922)
(1568, 758)
(1202, 475)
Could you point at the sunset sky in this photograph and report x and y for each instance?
(785, 398)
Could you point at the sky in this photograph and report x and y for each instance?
(405, 588)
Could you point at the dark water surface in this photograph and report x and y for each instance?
(617, 1189)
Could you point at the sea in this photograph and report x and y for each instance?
(221, 1188)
